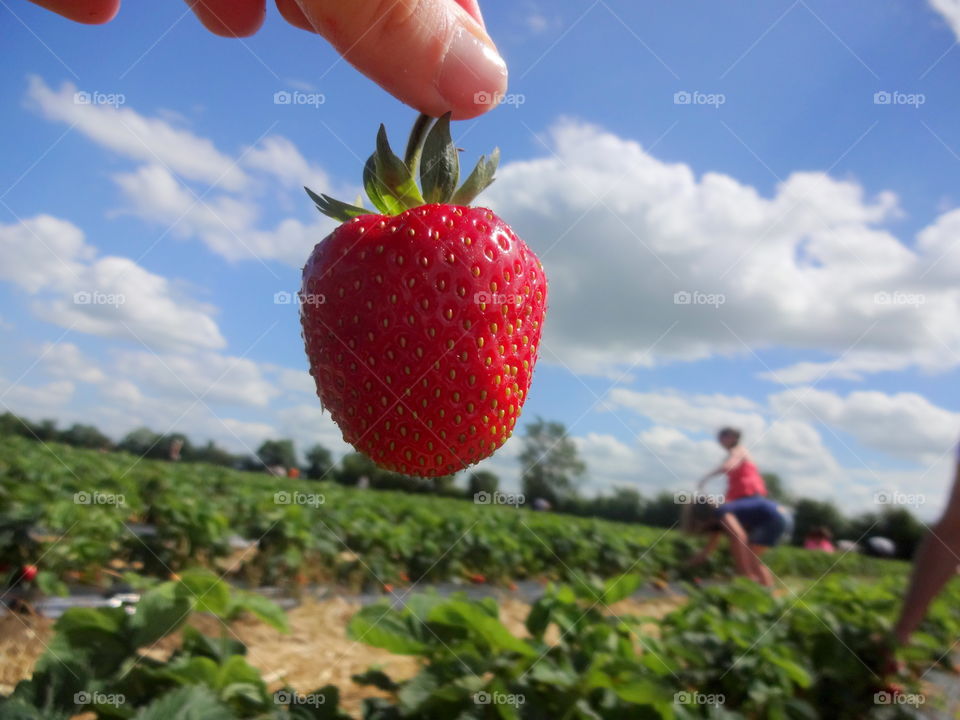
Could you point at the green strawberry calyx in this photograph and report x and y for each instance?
(389, 181)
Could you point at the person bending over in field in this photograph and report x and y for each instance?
(752, 522)
(935, 563)
(753, 527)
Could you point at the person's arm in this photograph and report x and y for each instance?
(707, 549)
(732, 460)
(935, 563)
(434, 55)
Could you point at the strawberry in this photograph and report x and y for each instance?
(422, 321)
(29, 572)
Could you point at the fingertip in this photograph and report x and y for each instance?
(473, 76)
(293, 14)
(89, 12)
(230, 18)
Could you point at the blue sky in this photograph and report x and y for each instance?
(824, 220)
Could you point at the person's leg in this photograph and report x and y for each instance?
(760, 568)
(935, 563)
(739, 547)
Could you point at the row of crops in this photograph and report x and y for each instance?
(87, 512)
(733, 651)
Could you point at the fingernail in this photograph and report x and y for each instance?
(472, 75)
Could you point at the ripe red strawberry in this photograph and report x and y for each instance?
(422, 322)
(29, 572)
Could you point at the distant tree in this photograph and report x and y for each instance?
(10, 424)
(142, 442)
(896, 523)
(662, 511)
(354, 466)
(482, 481)
(319, 463)
(45, 430)
(85, 436)
(550, 462)
(277, 452)
(775, 489)
(210, 453)
(808, 514)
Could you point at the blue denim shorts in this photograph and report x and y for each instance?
(762, 519)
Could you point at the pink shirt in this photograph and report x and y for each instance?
(744, 480)
(821, 544)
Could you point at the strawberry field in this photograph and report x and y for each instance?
(188, 536)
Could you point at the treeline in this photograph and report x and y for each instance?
(551, 473)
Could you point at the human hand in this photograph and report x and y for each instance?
(434, 55)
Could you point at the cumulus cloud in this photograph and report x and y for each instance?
(692, 267)
(107, 296)
(125, 131)
(950, 10)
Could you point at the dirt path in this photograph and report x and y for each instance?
(315, 653)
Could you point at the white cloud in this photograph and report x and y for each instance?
(225, 224)
(129, 133)
(66, 360)
(206, 375)
(950, 10)
(802, 269)
(43, 401)
(279, 157)
(107, 296)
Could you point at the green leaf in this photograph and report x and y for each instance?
(478, 180)
(618, 588)
(416, 692)
(795, 671)
(380, 626)
(394, 176)
(440, 163)
(492, 631)
(195, 702)
(207, 591)
(263, 608)
(331, 207)
(160, 612)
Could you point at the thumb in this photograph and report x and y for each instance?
(431, 54)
